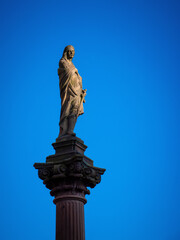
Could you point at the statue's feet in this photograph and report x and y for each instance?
(71, 133)
(64, 136)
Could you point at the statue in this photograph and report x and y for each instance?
(71, 92)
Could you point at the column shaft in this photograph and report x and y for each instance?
(70, 220)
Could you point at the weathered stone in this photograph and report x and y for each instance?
(68, 174)
(71, 92)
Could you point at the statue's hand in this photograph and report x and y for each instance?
(84, 92)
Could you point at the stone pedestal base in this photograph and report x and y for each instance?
(67, 174)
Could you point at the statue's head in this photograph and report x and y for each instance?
(69, 52)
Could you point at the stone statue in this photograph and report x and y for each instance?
(71, 92)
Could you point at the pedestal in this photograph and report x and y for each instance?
(67, 174)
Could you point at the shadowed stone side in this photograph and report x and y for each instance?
(68, 173)
(70, 220)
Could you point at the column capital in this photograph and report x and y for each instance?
(69, 167)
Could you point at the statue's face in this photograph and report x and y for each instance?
(70, 53)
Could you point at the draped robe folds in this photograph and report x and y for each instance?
(70, 84)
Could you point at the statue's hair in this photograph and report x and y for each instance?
(66, 49)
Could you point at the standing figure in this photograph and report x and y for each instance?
(71, 92)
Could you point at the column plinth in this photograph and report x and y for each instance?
(67, 174)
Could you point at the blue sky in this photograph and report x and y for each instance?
(128, 55)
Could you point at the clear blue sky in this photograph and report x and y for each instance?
(128, 54)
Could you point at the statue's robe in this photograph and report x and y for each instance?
(70, 84)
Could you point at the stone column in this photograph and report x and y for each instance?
(70, 200)
(67, 174)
